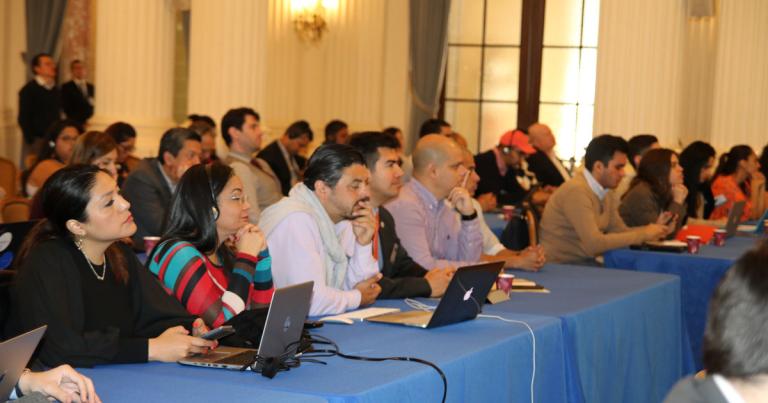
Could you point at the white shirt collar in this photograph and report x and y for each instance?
(596, 187)
(170, 183)
(40, 80)
(728, 391)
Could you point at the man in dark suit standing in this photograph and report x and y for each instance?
(77, 95)
(39, 103)
(544, 163)
(149, 187)
(283, 157)
(402, 277)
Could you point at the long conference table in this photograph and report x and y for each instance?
(699, 275)
(600, 336)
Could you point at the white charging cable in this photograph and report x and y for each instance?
(418, 305)
(533, 338)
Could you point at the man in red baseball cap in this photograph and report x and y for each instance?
(501, 170)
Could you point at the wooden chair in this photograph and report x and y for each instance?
(16, 209)
(533, 227)
(8, 177)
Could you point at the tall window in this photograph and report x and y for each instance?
(483, 70)
(482, 73)
(568, 72)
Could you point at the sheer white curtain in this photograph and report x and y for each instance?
(740, 110)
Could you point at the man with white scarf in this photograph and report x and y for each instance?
(322, 232)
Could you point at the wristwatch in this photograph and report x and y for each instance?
(469, 217)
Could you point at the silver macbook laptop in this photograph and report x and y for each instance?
(463, 299)
(14, 355)
(282, 331)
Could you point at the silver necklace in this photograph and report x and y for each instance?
(79, 244)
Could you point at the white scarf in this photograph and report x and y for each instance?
(301, 199)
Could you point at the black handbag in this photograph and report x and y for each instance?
(517, 232)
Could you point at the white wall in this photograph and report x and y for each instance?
(357, 73)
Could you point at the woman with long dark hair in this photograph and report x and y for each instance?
(54, 154)
(697, 161)
(210, 257)
(657, 194)
(101, 306)
(738, 178)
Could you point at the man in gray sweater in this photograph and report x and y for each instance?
(581, 220)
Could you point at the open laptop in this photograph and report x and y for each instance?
(733, 219)
(282, 331)
(11, 237)
(463, 299)
(14, 355)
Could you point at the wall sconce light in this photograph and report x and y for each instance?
(309, 18)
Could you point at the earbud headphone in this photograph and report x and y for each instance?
(52, 144)
(215, 208)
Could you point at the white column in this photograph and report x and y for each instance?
(13, 41)
(740, 101)
(134, 68)
(227, 58)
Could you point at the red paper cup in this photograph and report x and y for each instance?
(150, 242)
(509, 212)
(504, 282)
(719, 239)
(694, 243)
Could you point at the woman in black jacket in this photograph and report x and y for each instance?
(100, 304)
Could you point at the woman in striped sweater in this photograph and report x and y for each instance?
(210, 258)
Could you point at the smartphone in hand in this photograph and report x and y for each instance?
(218, 333)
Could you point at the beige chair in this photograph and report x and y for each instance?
(8, 177)
(16, 209)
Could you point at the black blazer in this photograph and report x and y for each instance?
(56, 298)
(276, 161)
(507, 189)
(38, 109)
(76, 106)
(546, 172)
(150, 198)
(403, 278)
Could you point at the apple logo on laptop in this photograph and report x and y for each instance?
(468, 294)
(287, 324)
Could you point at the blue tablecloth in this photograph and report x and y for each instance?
(699, 275)
(623, 330)
(484, 360)
(601, 336)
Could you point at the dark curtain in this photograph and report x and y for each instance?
(44, 19)
(428, 43)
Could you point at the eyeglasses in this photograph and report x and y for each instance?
(240, 198)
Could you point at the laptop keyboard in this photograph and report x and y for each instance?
(243, 358)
